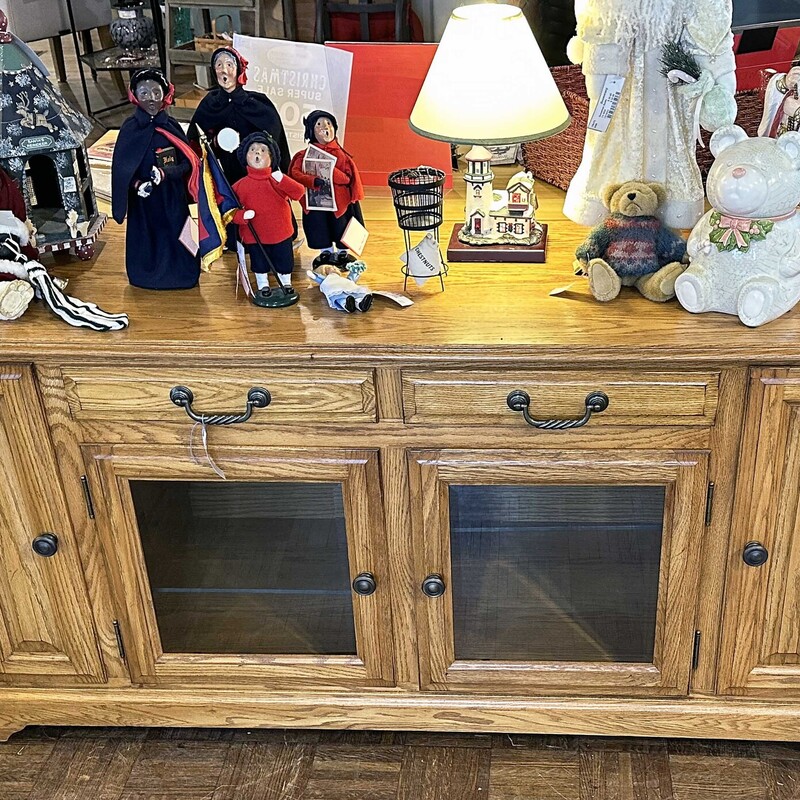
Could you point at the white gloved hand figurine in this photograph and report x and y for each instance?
(277, 174)
(156, 175)
(249, 214)
(145, 189)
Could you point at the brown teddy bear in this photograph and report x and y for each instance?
(631, 247)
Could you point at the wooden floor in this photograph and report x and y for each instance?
(176, 764)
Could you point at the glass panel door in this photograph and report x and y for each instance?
(561, 572)
(247, 567)
(276, 575)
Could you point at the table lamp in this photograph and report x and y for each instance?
(489, 84)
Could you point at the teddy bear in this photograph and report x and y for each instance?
(745, 253)
(631, 247)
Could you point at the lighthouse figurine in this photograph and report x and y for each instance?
(498, 218)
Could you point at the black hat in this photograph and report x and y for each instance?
(149, 74)
(311, 120)
(264, 138)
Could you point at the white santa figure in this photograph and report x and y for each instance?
(781, 104)
(652, 132)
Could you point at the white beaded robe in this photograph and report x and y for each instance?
(651, 135)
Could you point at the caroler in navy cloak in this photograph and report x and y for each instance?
(230, 105)
(152, 190)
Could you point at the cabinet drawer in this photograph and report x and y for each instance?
(663, 398)
(298, 396)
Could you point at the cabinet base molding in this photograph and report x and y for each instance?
(694, 718)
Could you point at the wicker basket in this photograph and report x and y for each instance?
(209, 42)
(556, 160)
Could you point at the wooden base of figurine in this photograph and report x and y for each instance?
(498, 251)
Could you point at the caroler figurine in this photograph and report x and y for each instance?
(265, 216)
(781, 104)
(230, 105)
(152, 162)
(333, 189)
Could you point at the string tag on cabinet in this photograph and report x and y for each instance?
(207, 460)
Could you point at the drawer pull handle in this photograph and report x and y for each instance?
(596, 403)
(364, 584)
(45, 545)
(183, 397)
(755, 554)
(433, 585)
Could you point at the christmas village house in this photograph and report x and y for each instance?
(512, 219)
(41, 148)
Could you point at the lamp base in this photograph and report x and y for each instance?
(506, 253)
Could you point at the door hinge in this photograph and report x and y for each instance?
(709, 503)
(118, 637)
(87, 496)
(696, 650)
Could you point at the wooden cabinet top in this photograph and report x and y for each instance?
(490, 313)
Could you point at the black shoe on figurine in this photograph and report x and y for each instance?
(365, 303)
(350, 304)
(325, 257)
(344, 259)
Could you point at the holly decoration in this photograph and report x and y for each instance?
(728, 234)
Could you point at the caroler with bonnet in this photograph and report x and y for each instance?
(152, 165)
(230, 105)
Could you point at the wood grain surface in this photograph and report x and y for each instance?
(170, 764)
(487, 312)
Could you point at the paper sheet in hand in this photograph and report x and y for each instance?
(355, 236)
(189, 237)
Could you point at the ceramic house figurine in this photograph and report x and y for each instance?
(745, 252)
(509, 220)
(265, 219)
(781, 104)
(41, 148)
(324, 229)
(649, 133)
(149, 174)
(231, 106)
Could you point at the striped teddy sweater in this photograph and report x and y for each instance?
(632, 246)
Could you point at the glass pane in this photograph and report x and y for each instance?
(555, 573)
(247, 567)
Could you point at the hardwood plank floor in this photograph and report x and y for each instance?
(190, 764)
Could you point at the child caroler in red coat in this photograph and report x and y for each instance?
(265, 195)
(324, 229)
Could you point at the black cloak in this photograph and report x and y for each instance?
(154, 256)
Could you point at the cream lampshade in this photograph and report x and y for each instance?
(489, 84)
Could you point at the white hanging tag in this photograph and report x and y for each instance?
(209, 461)
(607, 103)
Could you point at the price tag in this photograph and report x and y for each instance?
(607, 103)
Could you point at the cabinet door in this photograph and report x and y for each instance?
(254, 578)
(46, 628)
(558, 572)
(760, 648)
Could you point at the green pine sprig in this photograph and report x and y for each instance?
(675, 56)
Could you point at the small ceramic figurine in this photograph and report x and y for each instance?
(149, 176)
(324, 229)
(265, 194)
(745, 252)
(781, 104)
(651, 132)
(343, 293)
(232, 106)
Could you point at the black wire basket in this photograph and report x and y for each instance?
(418, 197)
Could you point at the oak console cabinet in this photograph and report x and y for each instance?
(392, 544)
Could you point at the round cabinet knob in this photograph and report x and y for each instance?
(364, 584)
(433, 586)
(45, 545)
(755, 554)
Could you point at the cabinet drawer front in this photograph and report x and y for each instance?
(142, 395)
(664, 398)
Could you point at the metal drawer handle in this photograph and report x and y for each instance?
(596, 403)
(183, 397)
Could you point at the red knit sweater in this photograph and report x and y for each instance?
(260, 192)
(347, 186)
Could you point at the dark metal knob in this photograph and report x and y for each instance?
(45, 545)
(755, 554)
(433, 585)
(364, 584)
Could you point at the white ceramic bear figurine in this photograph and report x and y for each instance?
(745, 253)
